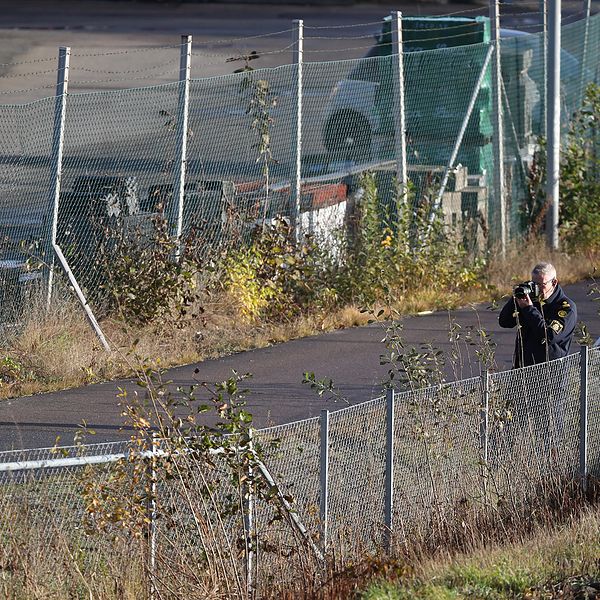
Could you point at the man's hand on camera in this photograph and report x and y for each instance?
(523, 302)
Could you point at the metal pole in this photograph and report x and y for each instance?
(484, 420)
(296, 185)
(249, 525)
(587, 7)
(499, 192)
(399, 107)
(553, 124)
(544, 11)
(78, 292)
(291, 512)
(583, 417)
(484, 428)
(152, 517)
(62, 88)
(461, 133)
(185, 69)
(324, 475)
(389, 468)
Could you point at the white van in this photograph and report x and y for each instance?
(358, 119)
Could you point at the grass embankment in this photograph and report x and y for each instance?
(58, 350)
(563, 562)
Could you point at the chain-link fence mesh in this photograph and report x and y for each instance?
(118, 145)
(524, 73)
(120, 168)
(437, 454)
(497, 442)
(292, 455)
(533, 429)
(490, 442)
(122, 148)
(594, 412)
(25, 187)
(46, 510)
(356, 475)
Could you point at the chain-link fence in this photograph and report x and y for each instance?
(289, 140)
(406, 467)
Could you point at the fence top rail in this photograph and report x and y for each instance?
(81, 461)
(56, 463)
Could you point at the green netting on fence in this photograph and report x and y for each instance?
(523, 73)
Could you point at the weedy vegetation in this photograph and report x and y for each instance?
(190, 512)
(273, 289)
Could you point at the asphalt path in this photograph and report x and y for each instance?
(276, 394)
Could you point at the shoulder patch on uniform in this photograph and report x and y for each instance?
(556, 326)
(562, 313)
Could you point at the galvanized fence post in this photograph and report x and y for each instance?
(389, 468)
(553, 124)
(587, 9)
(399, 111)
(249, 524)
(58, 136)
(499, 192)
(296, 184)
(60, 109)
(484, 428)
(324, 477)
(583, 417)
(152, 515)
(544, 13)
(183, 109)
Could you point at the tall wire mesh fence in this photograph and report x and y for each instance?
(123, 148)
(356, 457)
(594, 412)
(494, 443)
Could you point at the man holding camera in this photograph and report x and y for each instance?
(545, 318)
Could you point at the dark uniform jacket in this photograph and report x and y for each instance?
(546, 329)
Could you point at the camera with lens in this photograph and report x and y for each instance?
(527, 288)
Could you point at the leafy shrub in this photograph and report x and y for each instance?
(276, 277)
(11, 370)
(188, 484)
(387, 253)
(144, 279)
(401, 248)
(579, 201)
(533, 210)
(580, 177)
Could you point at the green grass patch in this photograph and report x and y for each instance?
(559, 563)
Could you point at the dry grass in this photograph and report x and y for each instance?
(58, 350)
(547, 556)
(56, 561)
(560, 560)
(516, 267)
(547, 553)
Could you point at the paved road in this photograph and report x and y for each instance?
(116, 44)
(350, 357)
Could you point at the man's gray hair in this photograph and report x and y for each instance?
(544, 268)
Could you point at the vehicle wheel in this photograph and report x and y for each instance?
(347, 136)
